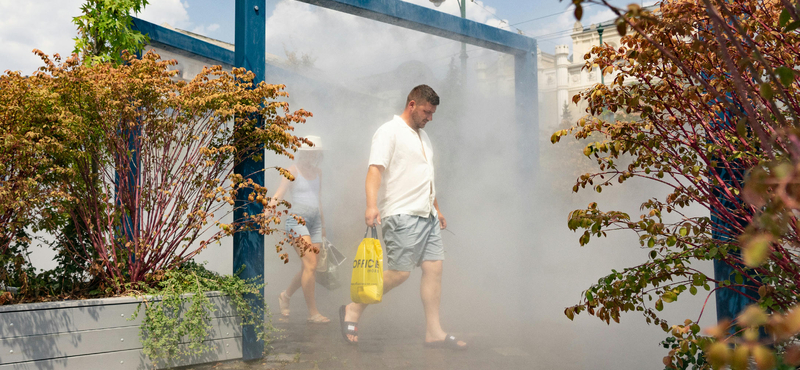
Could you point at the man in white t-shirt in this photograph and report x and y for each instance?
(401, 164)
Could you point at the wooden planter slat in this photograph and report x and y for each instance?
(75, 316)
(96, 334)
(40, 347)
(65, 320)
(222, 349)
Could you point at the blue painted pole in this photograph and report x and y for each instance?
(730, 300)
(527, 112)
(248, 246)
(527, 130)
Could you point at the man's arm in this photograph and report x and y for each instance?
(442, 221)
(373, 184)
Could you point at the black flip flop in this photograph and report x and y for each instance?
(449, 342)
(348, 327)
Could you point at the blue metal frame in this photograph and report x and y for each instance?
(250, 53)
(171, 38)
(248, 246)
(418, 18)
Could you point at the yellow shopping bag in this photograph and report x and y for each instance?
(366, 286)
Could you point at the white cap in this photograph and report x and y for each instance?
(316, 140)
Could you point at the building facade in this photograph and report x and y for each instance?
(561, 74)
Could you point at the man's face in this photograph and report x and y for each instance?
(422, 113)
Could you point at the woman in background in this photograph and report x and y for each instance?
(306, 203)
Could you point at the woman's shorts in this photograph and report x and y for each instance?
(313, 226)
(409, 240)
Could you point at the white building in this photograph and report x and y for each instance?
(561, 74)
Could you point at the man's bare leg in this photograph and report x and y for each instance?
(431, 292)
(391, 279)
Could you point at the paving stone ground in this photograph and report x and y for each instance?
(388, 340)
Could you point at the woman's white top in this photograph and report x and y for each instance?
(305, 192)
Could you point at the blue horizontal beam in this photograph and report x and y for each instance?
(184, 42)
(418, 18)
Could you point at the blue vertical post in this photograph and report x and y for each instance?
(731, 301)
(527, 112)
(248, 246)
(527, 130)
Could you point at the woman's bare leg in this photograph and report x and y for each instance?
(295, 284)
(307, 278)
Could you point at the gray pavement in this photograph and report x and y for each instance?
(390, 338)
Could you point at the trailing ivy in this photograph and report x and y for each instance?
(178, 313)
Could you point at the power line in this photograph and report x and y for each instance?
(547, 16)
(554, 34)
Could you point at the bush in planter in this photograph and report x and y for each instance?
(32, 143)
(183, 141)
(129, 233)
(167, 320)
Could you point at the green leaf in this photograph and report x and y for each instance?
(793, 26)
(653, 254)
(756, 250)
(693, 290)
(659, 305)
(570, 312)
(739, 279)
(786, 75)
(589, 296)
(784, 18)
(741, 127)
(683, 231)
(766, 90)
(651, 243)
(622, 27)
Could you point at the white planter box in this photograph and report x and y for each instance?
(97, 334)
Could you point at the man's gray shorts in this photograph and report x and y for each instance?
(409, 240)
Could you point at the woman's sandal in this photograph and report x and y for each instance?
(318, 319)
(449, 342)
(283, 301)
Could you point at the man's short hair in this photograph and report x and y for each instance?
(423, 93)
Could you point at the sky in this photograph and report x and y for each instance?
(47, 25)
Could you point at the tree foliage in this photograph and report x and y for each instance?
(104, 30)
(711, 91)
(182, 138)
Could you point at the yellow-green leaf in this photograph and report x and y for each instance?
(756, 250)
(765, 359)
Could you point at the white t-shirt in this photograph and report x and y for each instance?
(407, 185)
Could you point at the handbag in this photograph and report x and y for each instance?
(328, 262)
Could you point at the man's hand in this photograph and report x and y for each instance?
(371, 215)
(442, 221)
